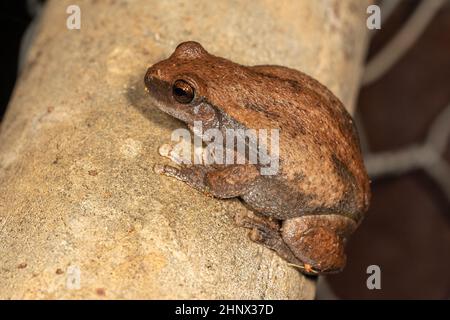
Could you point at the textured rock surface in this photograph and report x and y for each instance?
(82, 215)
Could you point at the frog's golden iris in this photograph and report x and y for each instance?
(183, 92)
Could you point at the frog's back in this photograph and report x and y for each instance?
(320, 159)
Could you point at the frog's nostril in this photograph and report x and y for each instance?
(148, 79)
(152, 75)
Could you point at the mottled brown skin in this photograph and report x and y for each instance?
(307, 211)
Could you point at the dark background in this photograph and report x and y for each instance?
(407, 229)
(14, 19)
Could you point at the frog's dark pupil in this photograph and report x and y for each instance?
(183, 92)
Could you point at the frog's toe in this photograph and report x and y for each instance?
(167, 151)
(164, 169)
(164, 150)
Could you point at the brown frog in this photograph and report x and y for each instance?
(318, 197)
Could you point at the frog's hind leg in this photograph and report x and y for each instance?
(266, 231)
(319, 240)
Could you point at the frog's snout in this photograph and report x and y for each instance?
(155, 86)
(152, 79)
(150, 76)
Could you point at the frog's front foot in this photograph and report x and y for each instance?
(167, 151)
(218, 180)
(193, 175)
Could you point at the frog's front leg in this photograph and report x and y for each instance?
(221, 181)
(192, 175)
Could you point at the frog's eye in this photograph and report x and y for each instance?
(183, 92)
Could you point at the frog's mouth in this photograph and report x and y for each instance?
(158, 89)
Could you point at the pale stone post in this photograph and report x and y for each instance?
(82, 215)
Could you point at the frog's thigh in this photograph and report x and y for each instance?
(318, 240)
(232, 180)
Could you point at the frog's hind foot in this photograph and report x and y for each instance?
(266, 231)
